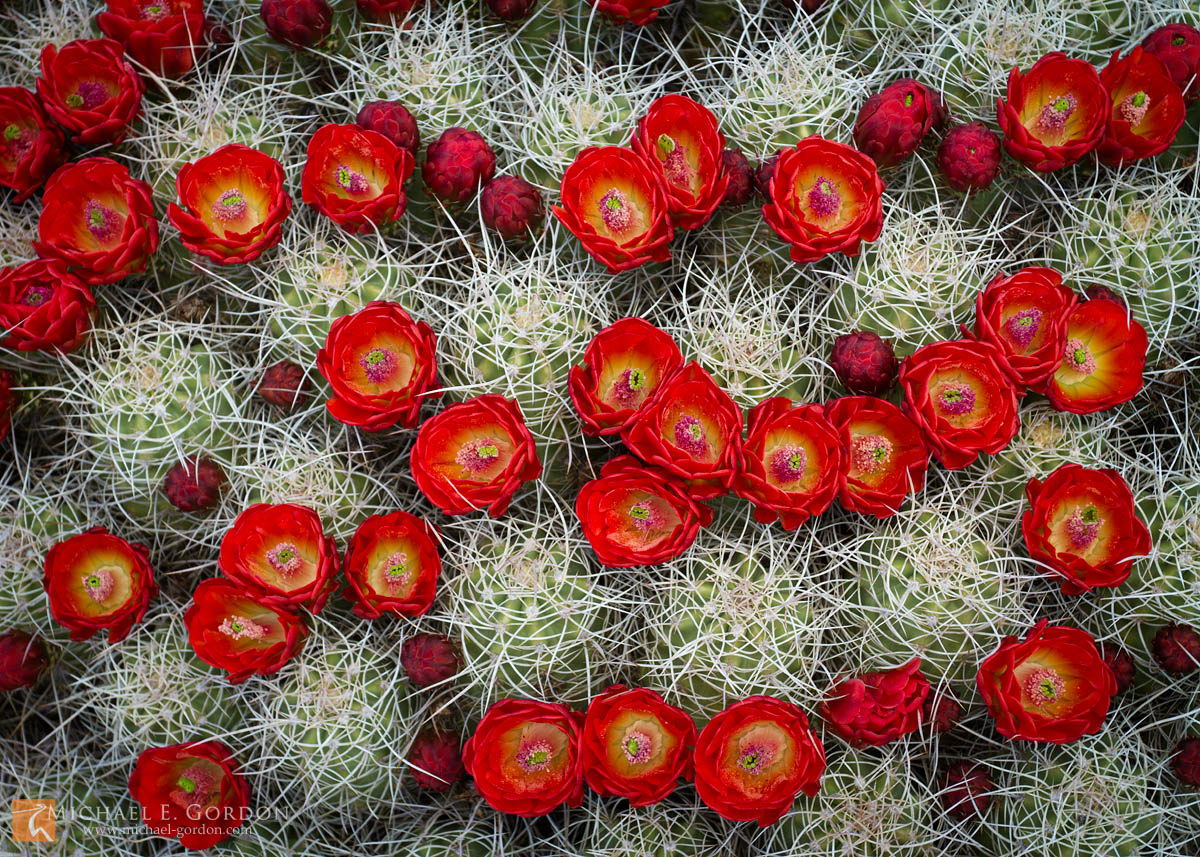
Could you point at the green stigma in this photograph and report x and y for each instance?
(613, 204)
(1080, 355)
(12, 132)
(636, 379)
(490, 451)
(1062, 104)
(639, 512)
(665, 144)
(75, 100)
(1090, 515)
(188, 785)
(749, 761)
(908, 100)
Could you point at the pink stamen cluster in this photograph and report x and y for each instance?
(193, 787)
(88, 94)
(675, 164)
(1133, 108)
(644, 517)
(1057, 112)
(616, 211)
(349, 180)
(627, 389)
(957, 399)
(155, 10)
(870, 452)
(395, 570)
(102, 221)
(36, 294)
(1023, 326)
(689, 436)
(823, 199)
(1083, 525)
(535, 756)
(284, 558)
(378, 364)
(241, 628)
(1044, 686)
(477, 455)
(637, 747)
(1079, 358)
(788, 463)
(230, 205)
(99, 584)
(755, 757)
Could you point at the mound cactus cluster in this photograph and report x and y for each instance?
(819, 477)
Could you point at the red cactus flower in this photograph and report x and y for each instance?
(1101, 292)
(97, 581)
(794, 462)
(97, 219)
(392, 120)
(886, 451)
(435, 760)
(386, 11)
(194, 484)
(1025, 317)
(638, 515)
(892, 123)
(298, 23)
(741, 178)
(23, 660)
(474, 455)
(457, 164)
(1176, 648)
(969, 157)
(285, 385)
(280, 554)
(864, 362)
(1147, 108)
(753, 758)
(525, 757)
(1177, 46)
(682, 138)
(1054, 114)
(166, 37)
(88, 88)
(877, 708)
(1051, 687)
(355, 177)
(615, 202)
(824, 198)
(941, 712)
(959, 395)
(967, 790)
(381, 365)
(235, 632)
(764, 173)
(1102, 362)
(635, 745)
(231, 204)
(622, 366)
(429, 659)
(8, 402)
(636, 12)
(1185, 762)
(1082, 526)
(193, 792)
(511, 207)
(392, 566)
(32, 147)
(43, 306)
(692, 429)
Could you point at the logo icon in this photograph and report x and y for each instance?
(33, 821)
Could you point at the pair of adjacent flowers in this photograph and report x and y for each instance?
(753, 759)
(624, 204)
(1061, 109)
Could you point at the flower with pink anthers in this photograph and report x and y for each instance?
(525, 757)
(89, 88)
(794, 462)
(32, 147)
(392, 566)
(635, 745)
(355, 177)
(233, 631)
(381, 365)
(887, 453)
(1082, 526)
(280, 555)
(1103, 359)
